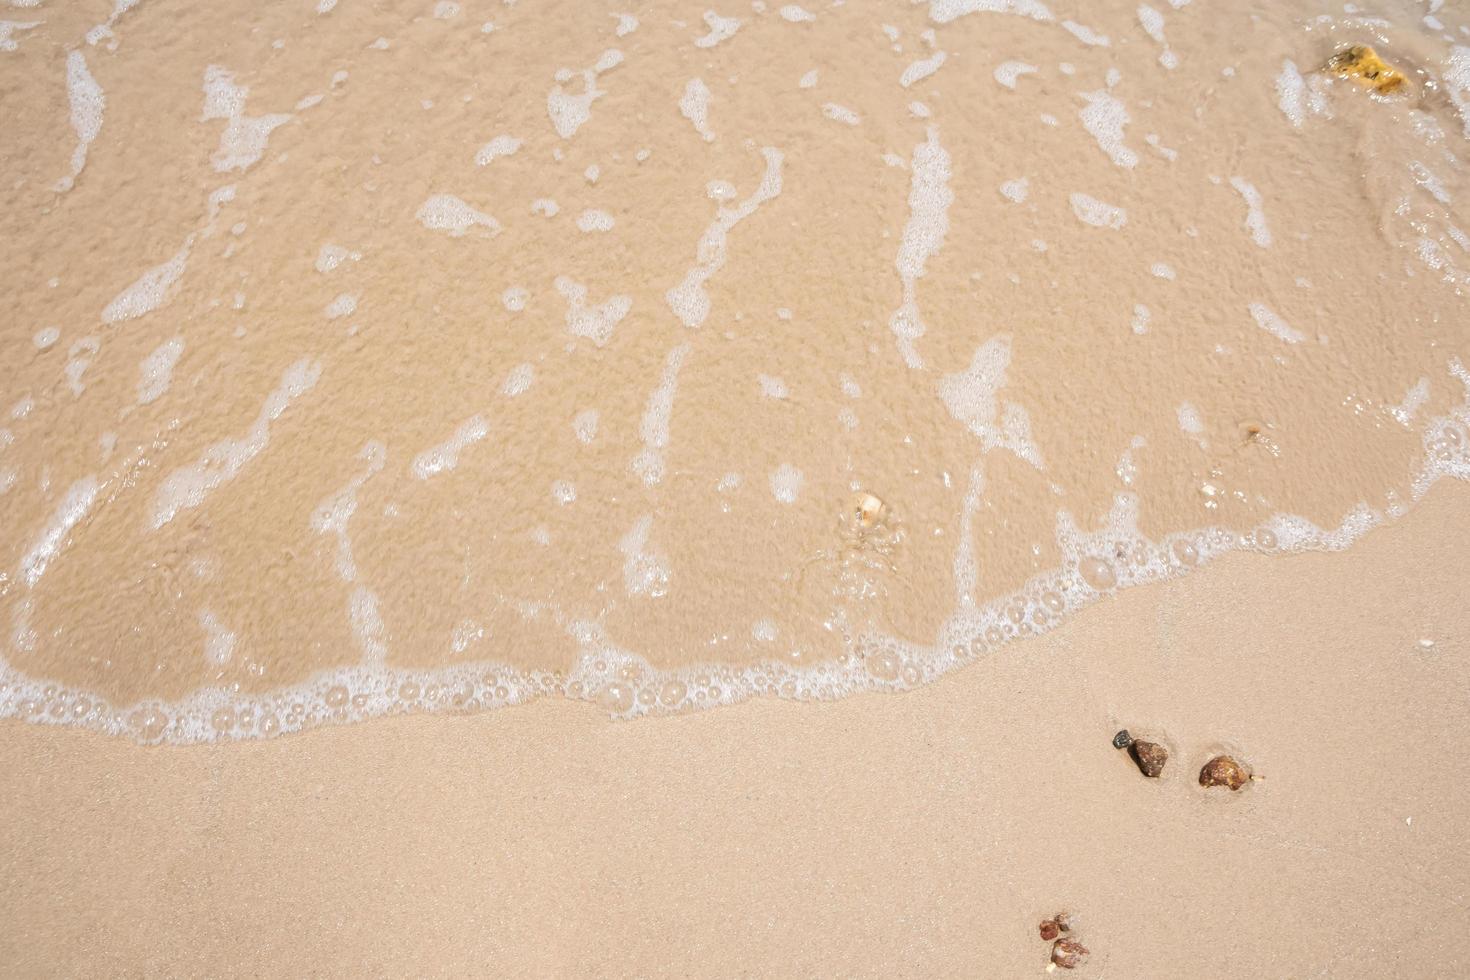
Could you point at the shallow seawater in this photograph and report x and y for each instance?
(368, 358)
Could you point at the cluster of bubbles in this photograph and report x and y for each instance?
(1096, 564)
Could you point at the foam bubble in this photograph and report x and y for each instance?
(514, 299)
(445, 456)
(657, 414)
(917, 71)
(156, 370)
(796, 15)
(1255, 218)
(186, 487)
(217, 200)
(1008, 72)
(1153, 25)
(219, 642)
(150, 290)
(772, 386)
(344, 305)
(1189, 419)
(78, 359)
(367, 627)
(966, 567)
(74, 506)
(1127, 469)
(627, 24)
(786, 483)
(500, 146)
(809, 80)
(333, 513)
(331, 256)
(569, 112)
(1089, 210)
(840, 113)
(694, 106)
(689, 300)
(585, 426)
(1085, 34)
(1141, 317)
(944, 11)
(8, 30)
(243, 141)
(518, 381)
(720, 29)
(594, 322)
(1162, 270)
(87, 105)
(593, 220)
(971, 397)
(46, 337)
(1104, 118)
(1456, 75)
(645, 573)
(1413, 400)
(1268, 321)
(1295, 97)
(445, 212)
(923, 236)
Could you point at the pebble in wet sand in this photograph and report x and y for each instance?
(1222, 770)
(1068, 954)
(1148, 756)
(1065, 952)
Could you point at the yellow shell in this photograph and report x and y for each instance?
(1362, 65)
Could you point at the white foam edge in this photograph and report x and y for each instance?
(966, 637)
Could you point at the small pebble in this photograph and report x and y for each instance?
(1150, 757)
(1122, 740)
(1223, 771)
(1068, 954)
(1050, 930)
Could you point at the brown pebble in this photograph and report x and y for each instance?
(1068, 954)
(1050, 930)
(1063, 921)
(1224, 771)
(1150, 757)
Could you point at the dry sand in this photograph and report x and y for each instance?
(918, 834)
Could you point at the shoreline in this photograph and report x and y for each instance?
(920, 833)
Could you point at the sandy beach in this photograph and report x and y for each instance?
(543, 489)
(922, 834)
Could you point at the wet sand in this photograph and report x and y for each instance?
(924, 833)
(385, 359)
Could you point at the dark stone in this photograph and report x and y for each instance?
(1150, 757)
